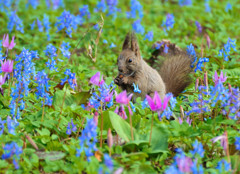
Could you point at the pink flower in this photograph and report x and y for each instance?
(184, 164)
(6, 42)
(95, 118)
(109, 97)
(223, 140)
(95, 79)
(122, 98)
(121, 112)
(156, 103)
(7, 66)
(220, 78)
(180, 120)
(2, 79)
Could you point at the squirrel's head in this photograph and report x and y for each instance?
(129, 60)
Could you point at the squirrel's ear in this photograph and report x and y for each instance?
(126, 44)
(134, 45)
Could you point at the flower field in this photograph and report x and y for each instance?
(61, 112)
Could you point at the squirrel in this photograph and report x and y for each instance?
(173, 75)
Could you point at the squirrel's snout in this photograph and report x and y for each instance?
(120, 70)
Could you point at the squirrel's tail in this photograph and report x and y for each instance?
(175, 72)
(174, 68)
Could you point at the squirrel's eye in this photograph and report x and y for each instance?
(129, 60)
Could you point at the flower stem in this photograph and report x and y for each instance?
(43, 110)
(101, 140)
(150, 138)
(63, 101)
(130, 119)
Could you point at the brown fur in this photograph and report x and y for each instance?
(174, 71)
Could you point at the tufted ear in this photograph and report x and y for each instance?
(134, 45)
(126, 44)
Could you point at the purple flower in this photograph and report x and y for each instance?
(84, 11)
(223, 140)
(121, 112)
(2, 79)
(156, 103)
(137, 27)
(95, 79)
(6, 44)
(149, 36)
(199, 27)
(7, 66)
(122, 98)
(220, 78)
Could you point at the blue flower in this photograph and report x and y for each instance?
(14, 20)
(11, 125)
(84, 11)
(32, 25)
(105, 41)
(207, 7)
(51, 52)
(237, 143)
(145, 104)
(68, 22)
(149, 36)
(168, 23)
(223, 166)
(185, 2)
(108, 162)
(135, 7)
(136, 89)
(137, 27)
(165, 48)
(112, 45)
(2, 122)
(227, 48)
(228, 7)
(33, 3)
(55, 4)
(65, 49)
(158, 45)
(12, 150)
(43, 87)
(46, 25)
(101, 6)
(133, 107)
(40, 26)
(88, 139)
(199, 27)
(70, 78)
(96, 27)
(71, 128)
(197, 149)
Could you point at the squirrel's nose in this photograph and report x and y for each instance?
(120, 70)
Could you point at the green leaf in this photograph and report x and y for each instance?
(121, 127)
(52, 156)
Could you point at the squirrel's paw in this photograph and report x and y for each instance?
(118, 81)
